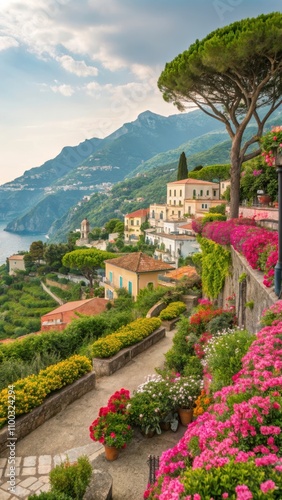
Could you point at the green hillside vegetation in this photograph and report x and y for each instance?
(22, 303)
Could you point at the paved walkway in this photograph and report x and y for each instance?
(67, 435)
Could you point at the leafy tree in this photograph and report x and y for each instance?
(54, 253)
(111, 225)
(212, 173)
(36, 251)
(233, 75)
(182, 172)
(87, 261)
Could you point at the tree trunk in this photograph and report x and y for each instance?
(235, 178)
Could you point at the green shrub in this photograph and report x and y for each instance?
(147, 298)
(224, 356)
(49, 496)
(173, 310)
(211, 217)
(219, 480)
(221, 322)
(71, 479)
(182, 346)
(124, 337)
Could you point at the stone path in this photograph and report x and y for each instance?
(67, 436)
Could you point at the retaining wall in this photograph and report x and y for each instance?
(110, 365)
(54, 404)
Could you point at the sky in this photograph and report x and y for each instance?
(71, 70)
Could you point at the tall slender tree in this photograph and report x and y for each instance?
(233, 75)
(182, 172)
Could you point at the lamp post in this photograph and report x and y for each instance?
(278, 267)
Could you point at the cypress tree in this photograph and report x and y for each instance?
(182, 172)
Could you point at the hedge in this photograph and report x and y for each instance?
(31, 391)
(128, 335)
(173, 310)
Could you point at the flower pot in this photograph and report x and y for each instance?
(264, 199)
(165, 426)
(185, 415)
(111, 453)
(149, 434)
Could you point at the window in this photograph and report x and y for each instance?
(175, 192)
(223, 185)
(194, 193)
(120, 282)
(150, 286)
(161, 215)
(180, 194)
(201, 192)
(204, 205)
(208, 192)
(170, 192)
(214, 192)
(111, 276)
(109, 294)
(172, 213)
(179, 214)
(130, 287)
(179, 202)
(174, 202)
(137, 222)
(153, 214)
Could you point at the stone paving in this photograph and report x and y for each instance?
(32, 473)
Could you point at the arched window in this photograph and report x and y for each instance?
(161, 215)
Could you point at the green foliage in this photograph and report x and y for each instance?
(219, 480)
(173, 310)
(224, 356)
(178, 357)
(126, 336)
(258, 176)
(71, 479)
(212, 173)
(215, 262)
(193, 367)
(221, 322)
(87, 261)
(147, 298)
(49, 495)
(218, 209)
(211, 217)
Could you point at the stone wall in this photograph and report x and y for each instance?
(251, 296)
(53, 405)
(108, 366)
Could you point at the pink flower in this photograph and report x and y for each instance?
(267, 485)
(225, 495)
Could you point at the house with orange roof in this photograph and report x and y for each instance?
(132, 224)
(16, 263)
(60, 317)
(133, 272)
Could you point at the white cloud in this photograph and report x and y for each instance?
(79, 68)
(7, 41)
(66, 90)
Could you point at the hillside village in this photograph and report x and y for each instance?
(142, 357)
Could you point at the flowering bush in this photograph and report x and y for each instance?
(173, 310)
(234, 449)
(202, 403)
(111, 427)
(145, 412)
(31, 391)
(271, 144)
(184, 391)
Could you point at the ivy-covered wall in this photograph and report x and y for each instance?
(251, 296)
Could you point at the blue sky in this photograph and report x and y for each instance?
(75, 69)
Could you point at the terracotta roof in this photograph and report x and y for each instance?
(16, 257)
(177, 274)
(193, 181)
(77, 304)
(143, 212)
(139, 262)
(186, 226)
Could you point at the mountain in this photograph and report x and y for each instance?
(93, 166)
(50, 196)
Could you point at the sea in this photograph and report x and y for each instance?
(11, 243)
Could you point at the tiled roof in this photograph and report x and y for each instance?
(77, 304)
(186, 226)
(16, 257)
(194, 181)
(139, 262)
(177, 274)
(143, 212)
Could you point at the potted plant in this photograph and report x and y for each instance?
(145, 413)
(271, 145)
(112, 429)
(183, 394)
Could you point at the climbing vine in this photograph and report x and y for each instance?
(216, 261)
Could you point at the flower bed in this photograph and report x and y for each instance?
(173, 310)
(31, 391)
(233, 450)
(126, 336)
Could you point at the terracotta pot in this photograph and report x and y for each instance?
(185, 415)
(264, 199)
(111, 453)
(149, 434)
